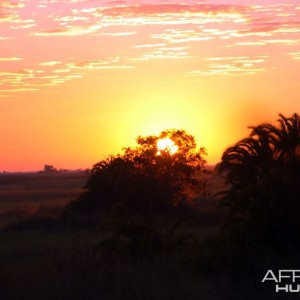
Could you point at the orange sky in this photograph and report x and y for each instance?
(81, 79)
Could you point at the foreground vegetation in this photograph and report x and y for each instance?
(34, 195)
(154, 225)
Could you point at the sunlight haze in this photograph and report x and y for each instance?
(80, 80)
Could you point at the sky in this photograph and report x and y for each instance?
(80, 80)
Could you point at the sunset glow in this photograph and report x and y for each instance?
(166, 144)
(81, 79)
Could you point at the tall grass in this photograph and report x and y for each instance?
(40, 265)
(184, 256)
(25, 196)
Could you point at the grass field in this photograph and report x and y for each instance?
(191, 262)
(23, 195)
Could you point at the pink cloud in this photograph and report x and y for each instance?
(123, 34)
(68, 31)
(8, 11)
(270, 26)
(295, 55)
(57, 31)
(9, 4)
(231, 66)
(113, 3)
(10, 59)
(154, 9)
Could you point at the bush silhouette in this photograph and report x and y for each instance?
(137, 239)
(263, 171)
(145, 179)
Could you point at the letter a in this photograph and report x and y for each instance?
(272, 278)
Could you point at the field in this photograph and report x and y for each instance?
(38, 261)
(25, 195)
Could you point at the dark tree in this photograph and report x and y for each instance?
(263, 173)
(178, 172)
(50, 169)
(146, 180)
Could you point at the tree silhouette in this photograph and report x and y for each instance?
(178, 170)
(146, 180)
(263, 171)
(50, 169)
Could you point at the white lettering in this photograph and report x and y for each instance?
(283, 288)
(296, 276)
(283, 276)
(288, 288)
(273, 277)
(295, 290)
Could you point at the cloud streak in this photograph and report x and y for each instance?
(87, 36)
(10, 59)
(231, 66)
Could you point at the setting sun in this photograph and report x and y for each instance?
(166, 144)
(104, 72)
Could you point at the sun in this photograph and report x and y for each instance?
(166, 144)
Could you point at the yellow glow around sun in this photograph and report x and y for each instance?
(166, 144)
